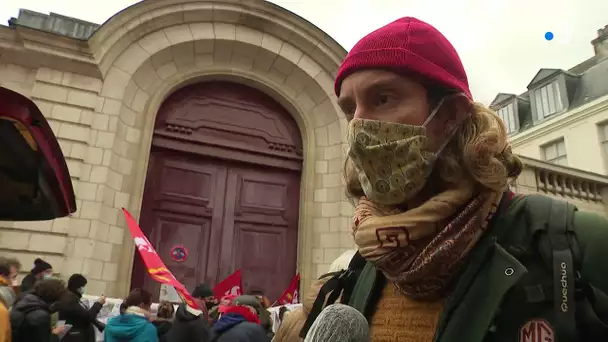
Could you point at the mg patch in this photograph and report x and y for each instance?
(536, 330)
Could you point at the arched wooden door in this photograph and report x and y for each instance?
(223, 182)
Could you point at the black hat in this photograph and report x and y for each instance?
(76, 281)
(202, 291)
(40, 266)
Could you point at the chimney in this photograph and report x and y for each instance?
(600, 44)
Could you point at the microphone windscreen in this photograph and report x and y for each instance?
(339, 323)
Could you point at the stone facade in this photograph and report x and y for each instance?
(582, 130)
(101, 96)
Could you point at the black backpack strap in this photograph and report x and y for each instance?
(341, 283)
(558, 249)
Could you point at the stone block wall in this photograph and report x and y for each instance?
(88, 242)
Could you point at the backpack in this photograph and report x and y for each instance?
(554, 240)
(19, 324)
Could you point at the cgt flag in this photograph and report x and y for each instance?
(291, 295)
(156, 267)
(232, 285)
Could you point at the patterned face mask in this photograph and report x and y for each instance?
(392, 160)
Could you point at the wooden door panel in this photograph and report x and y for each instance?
(232, 116)
(260, 227)
(183, 204)
(190, 187)
(171, 230)
(260, 254)
(239, 210)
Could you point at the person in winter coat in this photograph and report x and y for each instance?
(189, 325)
(240, 322)
(205, 293)
(8, 273)
(164, 320)
(216, 311)
(41, 270)
(259, 294)
(31, 314)
(262, 311)
(9, 268)
(132, 325)
(5, 323)
(73, 311)
(293, 321)
(446, 251)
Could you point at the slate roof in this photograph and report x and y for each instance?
(587, 81)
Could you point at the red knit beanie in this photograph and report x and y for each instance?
(408, 45)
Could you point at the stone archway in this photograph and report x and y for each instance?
(155, 47)
(223, 182)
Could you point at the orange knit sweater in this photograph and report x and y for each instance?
(398, 318)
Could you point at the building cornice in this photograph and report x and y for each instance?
(34, 48)
(555, 124)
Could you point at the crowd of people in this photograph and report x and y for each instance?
(43, 309)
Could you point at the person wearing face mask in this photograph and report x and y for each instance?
(41, 270)
(8, 273)
(205, 293)
(73, 311)
(9, 268)
(446, 252)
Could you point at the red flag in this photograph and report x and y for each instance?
(156, 267)
(291, 294)
(232, 285)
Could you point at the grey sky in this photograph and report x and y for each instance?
(501, 42)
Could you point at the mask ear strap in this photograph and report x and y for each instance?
(452, 128)
(449, 138)
(436, 109)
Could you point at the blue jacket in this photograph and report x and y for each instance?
(130, 327)
(233, 327)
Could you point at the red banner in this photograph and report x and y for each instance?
(156, 267)
(291, 294)
(232, 285)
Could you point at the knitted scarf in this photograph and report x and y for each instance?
(422, 249)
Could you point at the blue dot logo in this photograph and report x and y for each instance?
(549, 36)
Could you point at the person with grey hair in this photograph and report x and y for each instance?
(339, 323)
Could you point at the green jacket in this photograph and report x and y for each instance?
(493, 299)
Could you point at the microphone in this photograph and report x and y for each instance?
(339, 323)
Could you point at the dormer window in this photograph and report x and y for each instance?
(548, 100)
(507, 114)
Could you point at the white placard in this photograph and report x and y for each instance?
(112, 309)
(168, 293)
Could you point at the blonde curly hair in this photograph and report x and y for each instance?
(479, 151)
